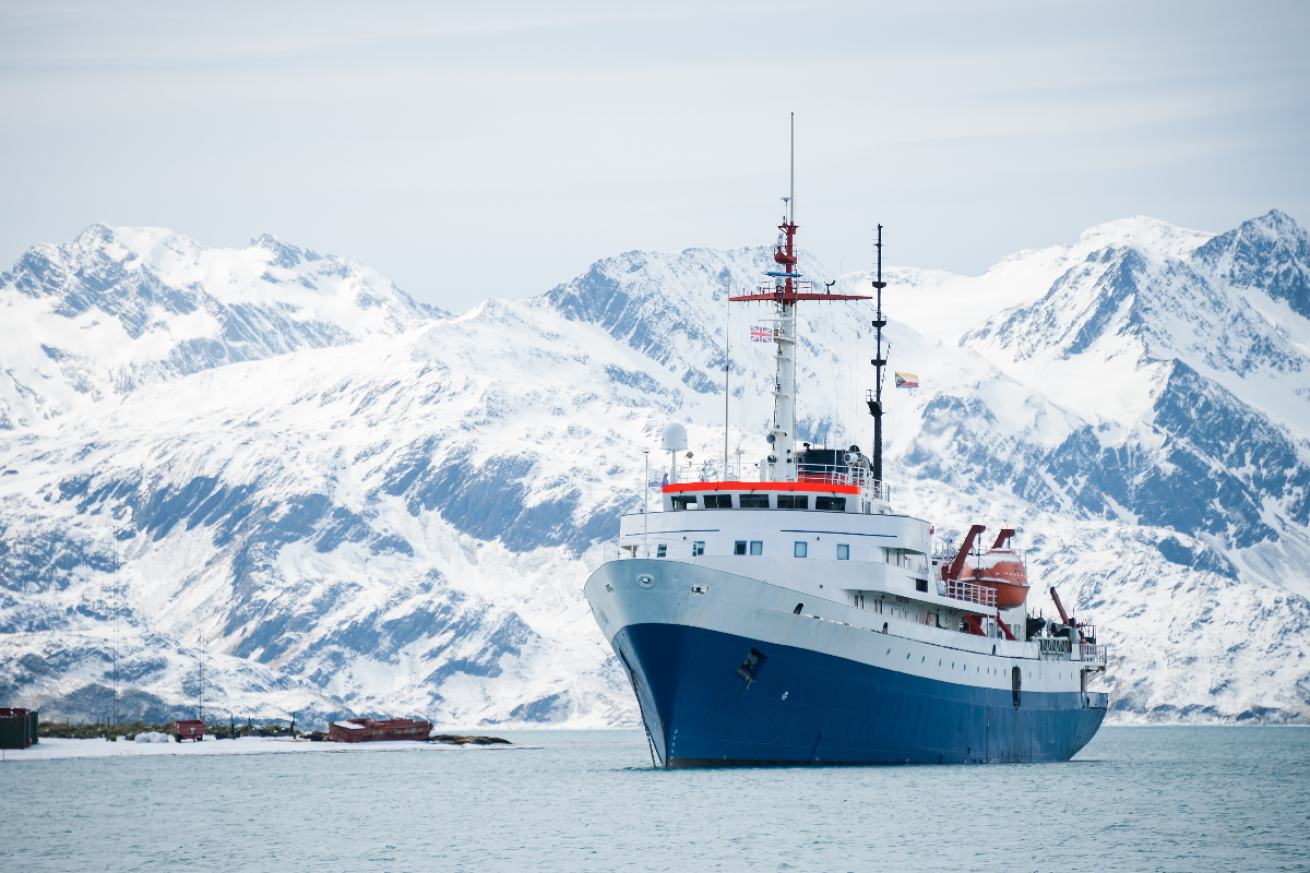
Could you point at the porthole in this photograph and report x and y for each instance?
(645, 580)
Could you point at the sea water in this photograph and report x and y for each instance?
(1136, 799)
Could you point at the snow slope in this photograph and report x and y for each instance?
(395, 511)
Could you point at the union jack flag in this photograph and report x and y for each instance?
(761, 335)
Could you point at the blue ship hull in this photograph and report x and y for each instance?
(806, 707)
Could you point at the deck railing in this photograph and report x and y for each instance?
(971, 592)
(822, 474)
(1094, 653)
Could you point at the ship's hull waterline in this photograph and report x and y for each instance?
(811, 689)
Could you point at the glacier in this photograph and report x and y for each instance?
(343, 501)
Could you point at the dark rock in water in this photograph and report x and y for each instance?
(457, 740)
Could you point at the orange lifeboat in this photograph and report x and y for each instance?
(1000, 569)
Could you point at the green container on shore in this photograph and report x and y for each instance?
(15, 728)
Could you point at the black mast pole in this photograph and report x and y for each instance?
(874, 397)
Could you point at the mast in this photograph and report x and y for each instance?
(727, 369)
(118, 609)
(787, 291)
(874, 398)
(782, 436)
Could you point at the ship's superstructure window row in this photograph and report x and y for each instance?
(821, 503)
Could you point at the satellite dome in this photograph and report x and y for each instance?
(675, 437)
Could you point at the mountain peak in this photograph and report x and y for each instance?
(1275, 222)
(1270, 253)
(284, 255)
(1149, 235)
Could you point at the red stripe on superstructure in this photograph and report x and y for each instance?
(761, 486)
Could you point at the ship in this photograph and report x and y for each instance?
(786, 614)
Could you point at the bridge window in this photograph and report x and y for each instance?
(739, 547)
(830, 504)
(793, 501)
(684, 501)
(718, 501)
(754, 501)
(801, 549)
(757, 547)
(661, 550)
(843, 552)
(697, 548)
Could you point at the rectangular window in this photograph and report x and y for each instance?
(753, 501)
(661, 550)
(739, 547)
(684, 501)
(757, 547)
(801, 550)
(697, 548)
(718, 501)
(830, 504)
(793, 501)
(843, 552)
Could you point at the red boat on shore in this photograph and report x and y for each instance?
(363, 730)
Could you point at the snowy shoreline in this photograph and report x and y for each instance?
(58, 749)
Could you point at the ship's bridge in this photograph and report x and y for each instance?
(823, 487)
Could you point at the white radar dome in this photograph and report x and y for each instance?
(675, 437)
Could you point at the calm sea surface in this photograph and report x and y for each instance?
(1175, 799)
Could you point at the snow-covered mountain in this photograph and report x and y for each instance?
(118, 308)
(363, 505)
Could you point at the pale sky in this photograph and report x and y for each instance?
(494, 149)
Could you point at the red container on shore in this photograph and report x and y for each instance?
(363, 730)
(189, 730)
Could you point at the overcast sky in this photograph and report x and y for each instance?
(474, 150)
